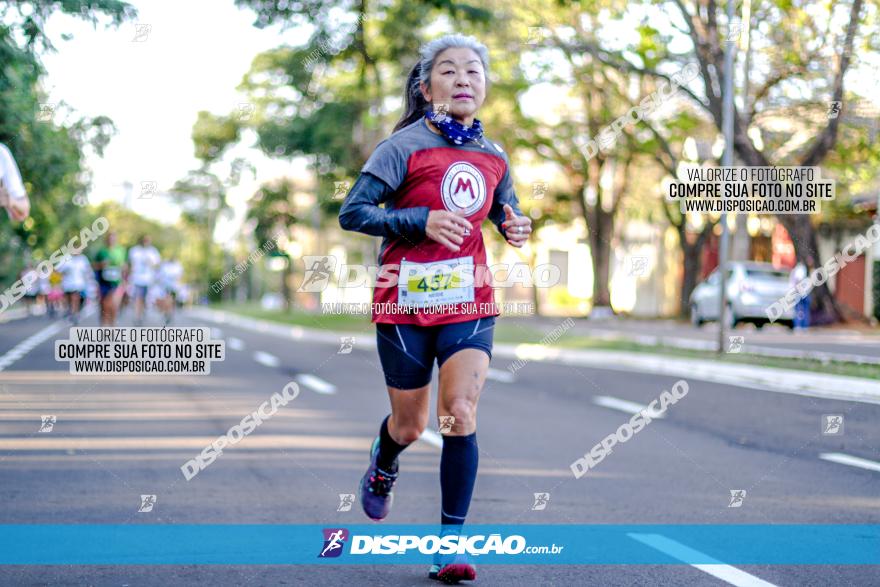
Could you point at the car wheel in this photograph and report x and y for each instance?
(696, 319)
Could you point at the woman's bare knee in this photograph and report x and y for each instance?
(408, 435)
(409, 417)
(464, 412)
(407, 431)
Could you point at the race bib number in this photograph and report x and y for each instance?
(111, 274)
(450, 281)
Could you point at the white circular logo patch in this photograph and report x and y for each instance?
(463, 188)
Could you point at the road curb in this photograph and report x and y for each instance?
(813, 384)
(679, 342)
(808, 383)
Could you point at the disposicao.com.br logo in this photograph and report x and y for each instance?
(403, 544)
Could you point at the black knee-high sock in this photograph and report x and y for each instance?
(388, 448)
(458, 472)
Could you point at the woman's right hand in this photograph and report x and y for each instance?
(18, 208)
(447, 228)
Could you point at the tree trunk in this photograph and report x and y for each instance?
(536, 299)
(802, 233)
(600, 228)
(690, 276)
(600, 251)
(285, 284)
(693, 262)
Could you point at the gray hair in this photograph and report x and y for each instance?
(414, 104)
(431, 50)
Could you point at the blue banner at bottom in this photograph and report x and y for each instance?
(525, 544)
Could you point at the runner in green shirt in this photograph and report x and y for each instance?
(109, 265)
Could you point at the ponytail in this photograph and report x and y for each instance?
(414, 103)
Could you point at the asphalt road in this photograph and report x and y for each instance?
(118, 437)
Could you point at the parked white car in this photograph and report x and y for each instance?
(751, 288)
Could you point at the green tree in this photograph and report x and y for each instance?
(271, 210)
(325, 99)
(50, 156)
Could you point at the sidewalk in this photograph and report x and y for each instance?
(838, 387)
(680, 335)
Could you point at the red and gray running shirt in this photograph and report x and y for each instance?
(426, 172)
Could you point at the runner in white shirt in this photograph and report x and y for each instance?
(76, 275)
(168, 286)
(31, 295)
(143, 261)
(13, 197)
(44, 288)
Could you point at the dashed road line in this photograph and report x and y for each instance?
(28, 344)
(316, 384)
(717, 569)
(623, 405)
(267, 359)
(845, 459)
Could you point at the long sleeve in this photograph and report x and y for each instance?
(504, 194)
(10, 177)
(361, 212)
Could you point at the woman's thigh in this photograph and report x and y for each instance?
(462, 377)
(407, 356)
(406, 353)
(463, 351)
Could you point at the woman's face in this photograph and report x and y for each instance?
(457, 79)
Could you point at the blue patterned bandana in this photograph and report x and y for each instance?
(454, 131)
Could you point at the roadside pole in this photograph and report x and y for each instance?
(727, 161)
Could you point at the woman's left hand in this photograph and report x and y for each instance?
(517, 228)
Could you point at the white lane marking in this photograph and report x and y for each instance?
(316, 384)
(844, 459)
(267, 359)
(27, 345)
(499, 375)
(216, 333)
(717, 569)
(432, 437)
(235, 344)
(624, 406)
